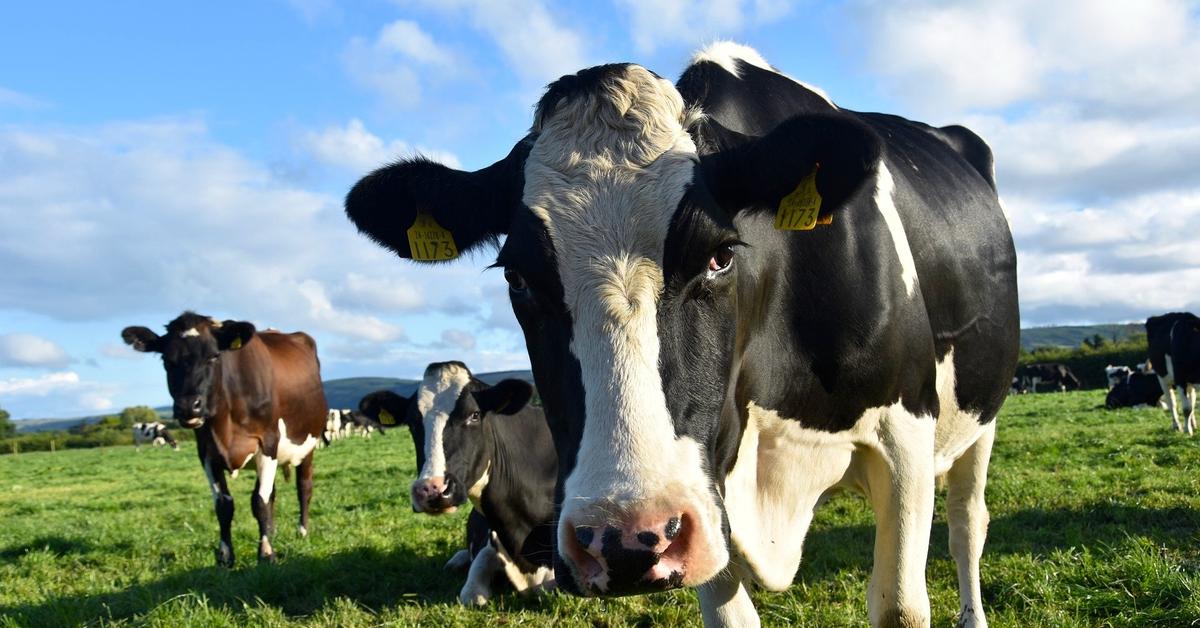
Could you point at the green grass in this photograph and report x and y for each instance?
(1095, 522)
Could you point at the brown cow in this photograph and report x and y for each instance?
(247, 395)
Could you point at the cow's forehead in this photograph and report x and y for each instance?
(607, 171)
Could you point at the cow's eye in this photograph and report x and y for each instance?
(721, 260)
(516, 283)
(472, 419)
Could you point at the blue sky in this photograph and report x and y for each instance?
(157, 157)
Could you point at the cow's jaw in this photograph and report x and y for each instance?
(605, 176)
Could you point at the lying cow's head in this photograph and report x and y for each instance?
(191, 353)
(389, 410)
(624, 259)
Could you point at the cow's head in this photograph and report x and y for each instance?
(191, 353)
(624, 259)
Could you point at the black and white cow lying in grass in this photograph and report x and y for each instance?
(738, 297)
(154, 433)
(1053, 374)
(1116, 375)
(1138, 390)
(489, 445)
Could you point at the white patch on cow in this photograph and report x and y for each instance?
(189, 333)
(266, 475)
(288, 452)
(264, 546)
(212, 483)
(727, 53)
(885, 187)
(541, 578)
(233, 473)
(725, 600)
(475, 492)
(1168, 385)
(478, 588)
(605, 176)
(436, 398)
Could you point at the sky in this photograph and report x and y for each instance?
(157, 157)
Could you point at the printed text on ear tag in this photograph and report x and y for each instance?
(429, 242)
(798, 211)
(386, 418)
(236, 344)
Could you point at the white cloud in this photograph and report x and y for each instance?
(656, 23)
(13, 98)
(390, 63)
(18, 350)
(119, 351)
(40, 386)
(354, 148)
(63, 389)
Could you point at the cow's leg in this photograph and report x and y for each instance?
(1189, 409)
(262, 504)
(1168, 386)
(304, 490)
(478, 588)
(900, 486)
(223, 505)
(967, 516)
(725, 600)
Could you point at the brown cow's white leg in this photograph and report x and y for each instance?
(262, 503)
(967, 516)
(725, 600)
(900, 485)
(304, 483)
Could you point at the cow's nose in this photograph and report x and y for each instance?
(432, 495)
(196, 406)
(638, 555)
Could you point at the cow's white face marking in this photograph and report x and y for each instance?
(189, 333)
(288, 452)
(727, 53)
(605, 177)
(884, 201)
(436, 397)
(475, 493)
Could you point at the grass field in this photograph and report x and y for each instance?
(1095, 522)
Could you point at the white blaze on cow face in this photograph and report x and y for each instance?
(436, 398)
(605, 176)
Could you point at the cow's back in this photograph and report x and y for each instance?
(296, 381)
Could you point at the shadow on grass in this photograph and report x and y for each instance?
(297, 586)
(57, 545)
(1034, 531)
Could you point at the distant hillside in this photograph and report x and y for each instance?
(340, 393)
(1073, 335)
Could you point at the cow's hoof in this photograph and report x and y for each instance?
(473, 597)
(225, 556)
(303, 532)
(268, 558)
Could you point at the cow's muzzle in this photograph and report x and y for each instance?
(436, 495)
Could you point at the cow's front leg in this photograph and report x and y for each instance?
(725, 600)
(304, 484)
(478, 588)
(223, 505)
(967, 516)
(1169, 392)
(900, 486)
(262, 503)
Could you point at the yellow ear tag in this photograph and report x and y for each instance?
(799, 210)
(236, 344)
(386, 418)
(429, 241)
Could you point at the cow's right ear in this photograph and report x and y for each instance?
(384, 406)
(468, 208)
(141, 339)
(506, 397)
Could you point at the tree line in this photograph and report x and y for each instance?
(113, 429)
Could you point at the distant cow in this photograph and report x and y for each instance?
(248, 395)
(346, 422)
(1052, 373)
(1175, 355)
(154, 433)
(490, 445)
(1140, 389)
(1116, 375)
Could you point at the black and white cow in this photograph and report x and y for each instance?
(1116, 375)
(1174, 341)
(154, 433)
(710, 377)
(489, 445)
(1140, 389)
(1052, 373)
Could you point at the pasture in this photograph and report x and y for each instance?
(1095, 521)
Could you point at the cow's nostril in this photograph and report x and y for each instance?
(671, 530)
(585, 535)
(649, 539)
(196, 405)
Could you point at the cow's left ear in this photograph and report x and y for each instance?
(233, 335)
(840, 153)
(506, 397)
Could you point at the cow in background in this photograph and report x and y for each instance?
(1116, 375)
(1174, 340)
(1053, 373)
(1140, 389)
(154, 433)
(248, 395)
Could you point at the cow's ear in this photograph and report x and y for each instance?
(141, 339)
(506, 397)
(233, 335)
(428, 212)
(835, 154)
(384, 406)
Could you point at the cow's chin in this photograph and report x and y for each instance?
(440, 507)
(191, 422)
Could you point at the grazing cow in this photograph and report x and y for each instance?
(738, 297)
(1052, 373)
(1116, 375)
(333, 427)
(154, 433)
(490, 445)
(1174, 341)
(248, 395)
(1139, 390)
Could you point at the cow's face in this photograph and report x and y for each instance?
(622, 264)
(191, 354)
(435, 491)
(390, 409)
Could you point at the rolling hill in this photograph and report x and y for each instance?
(1074, 335)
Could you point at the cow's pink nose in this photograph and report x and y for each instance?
(432, 495)
(641, 555)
